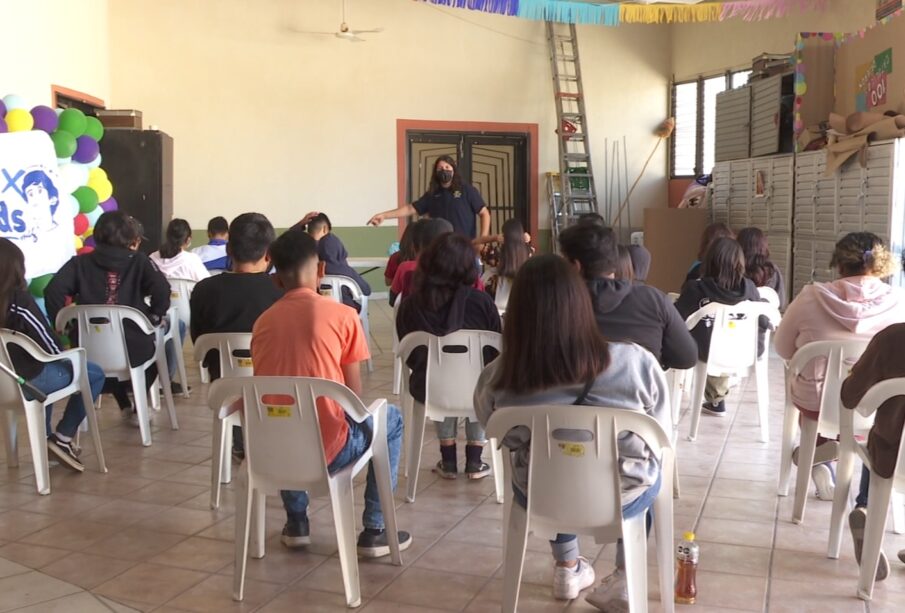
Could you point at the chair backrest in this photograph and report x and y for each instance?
(336, 283)
(395, 332)
(573, 477)
(673, 296)
(180, 293)
(234, 349)
(839, 357)
(101, 333)
(735, 332)
(283, 445)
(454, 363)
(503, 288)
(876, 396)
(769, 294)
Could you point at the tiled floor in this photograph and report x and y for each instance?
(143, 536)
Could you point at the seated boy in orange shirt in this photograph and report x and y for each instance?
(305, 334)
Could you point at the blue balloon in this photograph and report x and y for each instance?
(94, 215)
(15, 101)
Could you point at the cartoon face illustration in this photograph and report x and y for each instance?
(42, 198)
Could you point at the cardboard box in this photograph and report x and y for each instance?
(672, 236)
(815, 72)
(870, 69)
(123, 118)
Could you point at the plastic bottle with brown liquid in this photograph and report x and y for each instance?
(687, 554)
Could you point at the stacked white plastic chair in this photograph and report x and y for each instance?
(12, 400)
(336, 283)
(733, 353)
(284, 451)
(101, 334)
(574, 488)
(454, 363)
(234, 349)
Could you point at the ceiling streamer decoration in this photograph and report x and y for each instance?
(650, 11)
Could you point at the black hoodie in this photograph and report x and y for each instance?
(113, 275)
(469, 309)
(640, 314)
(700, 293)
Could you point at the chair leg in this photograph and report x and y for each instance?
(806, 448)
(343, 504)
(380, 462)
(397, 376)
(406, 400)
(697, 398)
(514, 556)
(37, 440)
(877, 507)
(844, 468)
(218, 432)
(205, 373)
(634, 544)
(244, 499)
(789, 426)
(10, 438)
(164, 375)
(180, 366)
(416, 443)
(898, 513)
(496, 459)
(676, 490)
(91, 416)
(257, 525)
(664, 529)
(763, 398)
(141, 405)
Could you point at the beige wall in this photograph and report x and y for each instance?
(57, 42)
(267, 119)
(713, 47)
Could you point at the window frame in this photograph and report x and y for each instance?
(728, 75)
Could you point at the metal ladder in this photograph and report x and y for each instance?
(577, 192)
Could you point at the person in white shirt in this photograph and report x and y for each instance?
(173, 260)
(213, 254)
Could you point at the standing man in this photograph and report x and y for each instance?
(448, 197)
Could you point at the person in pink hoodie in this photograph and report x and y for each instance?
(857, 305)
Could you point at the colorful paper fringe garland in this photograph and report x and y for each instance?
(612, 14)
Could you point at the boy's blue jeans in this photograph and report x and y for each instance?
(56, 376)
(296, 502)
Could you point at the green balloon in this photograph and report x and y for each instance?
(73, 121)
(87, 199)
(38, 284)
(94, 128)
(63, 143)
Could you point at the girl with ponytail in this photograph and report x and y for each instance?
(173, 258)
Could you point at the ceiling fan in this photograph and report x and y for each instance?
(344, 32)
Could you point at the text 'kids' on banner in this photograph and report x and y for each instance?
(32, 214)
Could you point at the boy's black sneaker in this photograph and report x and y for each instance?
(446, 470)
(176, 388)
(374, 543)
(296, 534)
(477, 471)
(718, 409)
(65, 452)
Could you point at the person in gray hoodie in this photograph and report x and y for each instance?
(554, 353)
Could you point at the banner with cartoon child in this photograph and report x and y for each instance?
(32, 213)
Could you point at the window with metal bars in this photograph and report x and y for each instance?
(693, 104)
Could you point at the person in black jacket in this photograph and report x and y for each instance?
(115, 273)
(444, 301)
(20, 313)
(724, 282)
(626, 311)
(332, 252)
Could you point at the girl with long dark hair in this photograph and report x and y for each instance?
(758, 266)
(20, 313)
(710, 234)
(513, 252)
(444, 300)
(174, 259)
(554, 353)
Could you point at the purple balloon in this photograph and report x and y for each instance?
(109, 205)
(2, 109)
(89, 242)
(3, 127)
(86, 150)
(45, 118)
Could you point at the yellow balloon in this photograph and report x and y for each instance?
(96, 174)
(103, 188)
(19, 120)
(88, 232)
(78, 243)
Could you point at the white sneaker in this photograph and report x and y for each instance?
(568, 582)
(612, 594)
(823, 479)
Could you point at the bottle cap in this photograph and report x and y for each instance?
(688, 536)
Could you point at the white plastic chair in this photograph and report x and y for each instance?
(574, 488)
(839, 356)
(12, 400)
(675, 380)
(235, 361)
(881, 490)
(336, 283)
(450, 381)
(101, 334)
(284, 451)
(171, 335)
(503, 289)
(733, 353)
(180, 294)
(398, 366)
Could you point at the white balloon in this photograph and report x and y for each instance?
(95, 163)
(15, 101)
(73, 204)
(72, 176)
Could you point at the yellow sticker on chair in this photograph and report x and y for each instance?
(575, 450)
(279, 411)
(731, 325)
(244, 362)
(174, 295)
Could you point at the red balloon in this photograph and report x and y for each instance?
(81, 224)
(85, 250)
